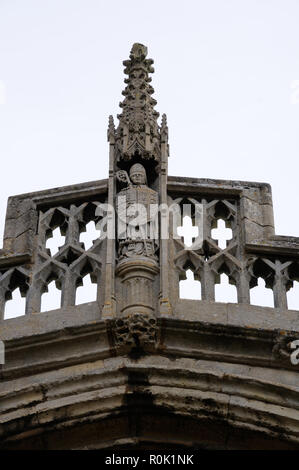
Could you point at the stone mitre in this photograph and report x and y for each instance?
(129, 197)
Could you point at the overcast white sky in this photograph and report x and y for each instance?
(224, 76)
(224, 71)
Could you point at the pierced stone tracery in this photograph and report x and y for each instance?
(210, 260)
(66, 266)
(249, 252)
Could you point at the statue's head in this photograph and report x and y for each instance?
(138, 174)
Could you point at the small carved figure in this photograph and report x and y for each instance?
(137, 210)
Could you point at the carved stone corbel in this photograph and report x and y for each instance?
(136, 330)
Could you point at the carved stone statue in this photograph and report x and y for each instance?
(137, 210)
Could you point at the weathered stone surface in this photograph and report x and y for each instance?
(139, 366)
(135, 330)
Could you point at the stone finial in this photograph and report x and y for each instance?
(138, 130)
(138, 51)
(138, 58)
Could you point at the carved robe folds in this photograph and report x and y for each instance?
(137, 210)
(138, 237)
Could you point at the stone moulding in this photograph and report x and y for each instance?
(246, 381)
(225, 378)
(140, 366)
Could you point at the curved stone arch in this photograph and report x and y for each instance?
(49, 221)
(216, 407)
(187, 259)
(210, 375)
(69, 254)
(86, 264)
(14, 278)
(225, 265)
(176, 210)
(258, 267)
(271, 271)
(87, 213)
(225, 210)
(51, 270)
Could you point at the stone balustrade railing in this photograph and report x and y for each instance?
(253, 252)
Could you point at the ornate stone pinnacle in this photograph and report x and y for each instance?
(138, 130)
(111, 130)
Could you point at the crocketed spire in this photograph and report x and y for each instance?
(138, 130)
